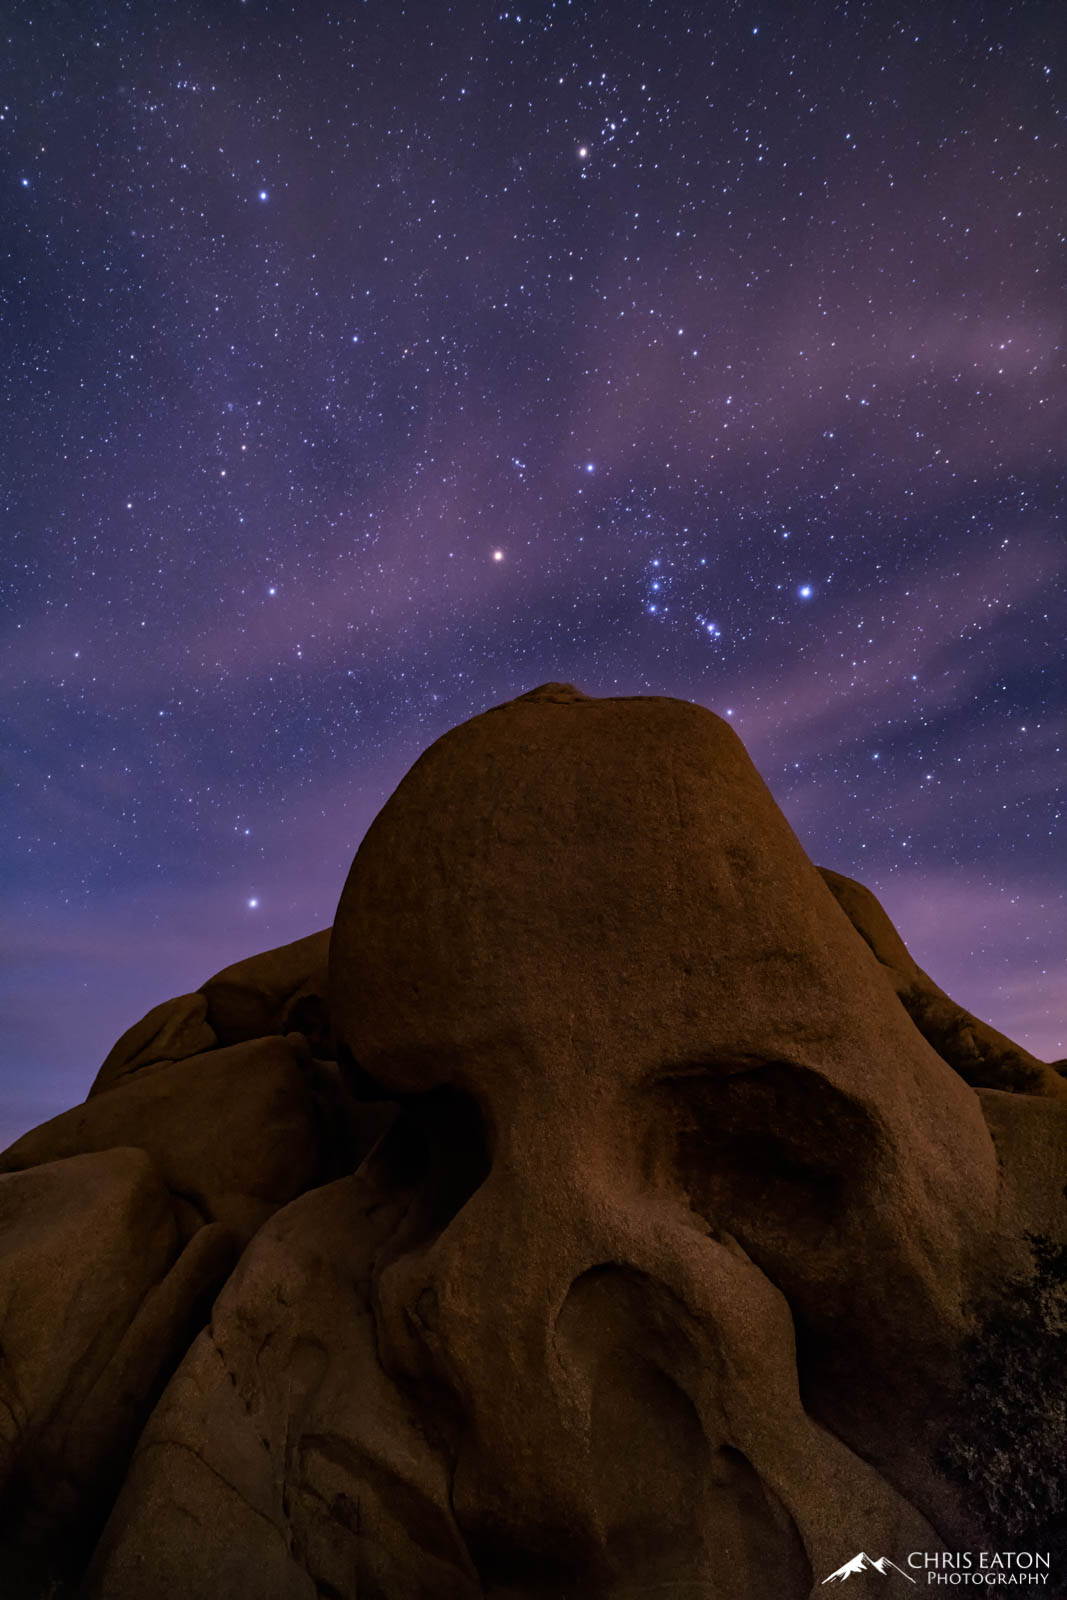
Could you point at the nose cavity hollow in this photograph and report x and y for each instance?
(675, 1503)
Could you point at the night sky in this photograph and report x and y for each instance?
(367, 364)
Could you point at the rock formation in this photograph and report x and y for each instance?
(608, 1207)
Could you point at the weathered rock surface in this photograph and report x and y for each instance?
(978, 1052)
(279, 1403)
(1030, 1138)
(656, 1006)
(279, 991)
(308, 1471)
(232, 1132)
(276, 992)
(676, 1264)
(170, 1032)
(226, 1135)
(98, 1299)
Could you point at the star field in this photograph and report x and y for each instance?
(368, 364)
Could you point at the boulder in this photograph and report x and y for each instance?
(280, 991)
(587, 926)
(169, 1032)
(1030, 1138)
(282, 1439)
(234, 1133)
(984, 1057)
(620, 1209)
(98, 1300)
(308, 1470)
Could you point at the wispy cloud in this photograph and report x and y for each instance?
(893, 660)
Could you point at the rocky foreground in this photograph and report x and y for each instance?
(608, 1206)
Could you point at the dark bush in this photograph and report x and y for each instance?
(1007, 1446)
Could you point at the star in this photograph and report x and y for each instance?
(698, 321)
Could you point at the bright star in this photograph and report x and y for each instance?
(263, 194)
(498, 555)
(805, 591)
(582, 153)
(252, 903)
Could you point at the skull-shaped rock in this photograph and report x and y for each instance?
(700, 1211)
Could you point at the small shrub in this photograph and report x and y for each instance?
(1007, 1446)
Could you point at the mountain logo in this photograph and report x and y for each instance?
(864, 1563)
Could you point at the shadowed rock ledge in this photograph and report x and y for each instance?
(608, 1205)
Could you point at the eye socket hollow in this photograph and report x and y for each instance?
(437, 1149)
(768, 1150)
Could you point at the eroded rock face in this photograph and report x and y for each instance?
(302, 1464)
(232, 1132)
(98, 1299)
(978, 1052)
(279, 991)
(703, 1111)
(172, 1031)
(119, 1222)
(674, 1267)
(662, 1275)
